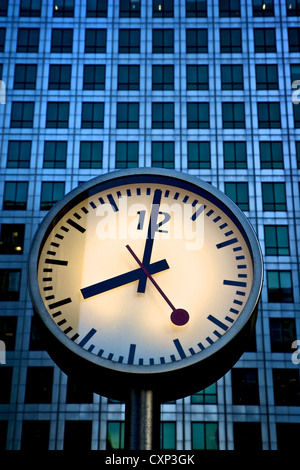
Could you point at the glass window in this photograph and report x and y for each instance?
(115, 435)
(31, 8)
(163, 8)
(22, 114)
(264, 40)
(162, 77)
(162, 115)
(232, 77)
(163, 154)
(8, 328)
(271, 155)
(35, 342)
(199, 155)
(244, 386)
(127, 115)
(229, 8)
(18, 155)
(35, 434)
(266, 77)
(130, 9)
(235, 155)
(293, 7)
(2, 39)
(3, 433)
(277, 240)
(52, 192)
(238, 192)
(91, 154)
(197, 77)
(263, 7)
(5, 380)
(59, 77)
(298, 153)
(57, 115)
(233, 115)
(296, 109)
(167, 435)
(15, 195)
(207, 396)
(295, 72)
(78, 435)
(198, 116)
(127, 154)
(286, 387)
(196, 41)
(10, 284)
(205, 436)
(3, 7)
(55, 154)
(280, 287)
(63, 8)
(62, 40)
(77, 392)
(39, 385)
(196, 8)
(12, 239)
(287, 433)
(294, 39)
(273, 195)
(245, 432)
(128, 77)
(96, 8)
(92, 116)
(129, 41)
(163, 41)
(269, 115)
(25, 77)
(94, 77)
(95, 41)
(231, 40)
(28, 40)
(282, 334)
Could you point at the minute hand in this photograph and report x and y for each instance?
(122, 279)
(150, 237)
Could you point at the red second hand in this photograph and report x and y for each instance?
(179, 316)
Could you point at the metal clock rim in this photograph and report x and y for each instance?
(42, 312)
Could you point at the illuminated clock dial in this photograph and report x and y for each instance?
(146, 271)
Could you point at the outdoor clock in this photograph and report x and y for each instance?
(145, 278)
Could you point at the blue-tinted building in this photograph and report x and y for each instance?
(209, 88)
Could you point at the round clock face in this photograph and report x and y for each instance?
(146, 270)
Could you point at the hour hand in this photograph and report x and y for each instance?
(122, 279)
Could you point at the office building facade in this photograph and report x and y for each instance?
(207, 88)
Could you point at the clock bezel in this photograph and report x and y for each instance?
(96, 370)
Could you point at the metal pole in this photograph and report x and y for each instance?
(142, 420)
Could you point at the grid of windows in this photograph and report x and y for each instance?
(203, 87)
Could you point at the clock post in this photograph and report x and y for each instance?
(142, 420)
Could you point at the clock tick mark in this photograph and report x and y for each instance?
(87, 337)
(59, 303)
(226, 243)
(58, 262)
(76, 225)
